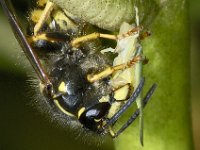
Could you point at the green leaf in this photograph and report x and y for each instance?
(167, 116)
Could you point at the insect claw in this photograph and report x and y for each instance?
(130, 32)
(144, 35)
(145, 60)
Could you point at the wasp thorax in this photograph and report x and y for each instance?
(92, 118)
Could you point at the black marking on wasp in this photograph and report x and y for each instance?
(73, 81)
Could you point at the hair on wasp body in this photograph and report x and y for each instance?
(78, 81)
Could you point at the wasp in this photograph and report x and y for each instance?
(77, 78)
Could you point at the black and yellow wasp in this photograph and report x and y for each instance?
(76, 78)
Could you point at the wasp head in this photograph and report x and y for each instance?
(93, 117)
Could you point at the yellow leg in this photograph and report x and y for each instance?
(43, 36)
(112, 133)
(108, 71)
(76, 42)
(45, 15)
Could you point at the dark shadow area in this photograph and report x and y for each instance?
(23, 128)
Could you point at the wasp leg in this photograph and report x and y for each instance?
(45, 15)
(30, 54)
(49, 36)
(111, 132)
(77, 41)
(110, 70)
(137, 112)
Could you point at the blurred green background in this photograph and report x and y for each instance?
(195, 69)
(23, 127)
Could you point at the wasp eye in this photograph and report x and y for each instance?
(92, 117)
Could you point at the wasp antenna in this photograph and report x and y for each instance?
(127, 104)
(32, 57)
(137, 112)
